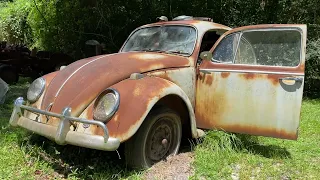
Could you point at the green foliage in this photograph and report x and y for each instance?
(13, 21)
(63, 25)
(66, 25)
(312, 75)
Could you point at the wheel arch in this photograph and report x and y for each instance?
(178, 105)
(139, 97)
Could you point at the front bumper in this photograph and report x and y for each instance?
(62, 134)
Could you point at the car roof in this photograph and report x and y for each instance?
(203, 25)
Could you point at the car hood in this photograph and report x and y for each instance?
(81, 82)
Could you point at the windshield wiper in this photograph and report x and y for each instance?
(162, 51)
(152, 50)
(177, 52)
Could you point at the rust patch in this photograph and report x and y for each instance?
(274, 79)
(302, 66)
(126, 120)
(225, 74)
(137, 92)
(80, 88)
(248, 76)
(201, 76)
(211, 104)
(209, 79)
(252, 130)
(57, 81)
(152, 66)
(244, 68)
(116, 118)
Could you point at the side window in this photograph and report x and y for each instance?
(226, 49)
(245, 53)
(270, 48)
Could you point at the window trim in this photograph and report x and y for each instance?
(262, 29)
(237, 41)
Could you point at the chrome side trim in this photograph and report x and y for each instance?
(206, 71)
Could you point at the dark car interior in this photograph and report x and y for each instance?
(208, 40)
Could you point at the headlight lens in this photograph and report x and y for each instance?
(107, 105)
(36, 89)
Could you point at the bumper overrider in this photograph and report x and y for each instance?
(62, 134)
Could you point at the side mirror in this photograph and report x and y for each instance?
(206, 55)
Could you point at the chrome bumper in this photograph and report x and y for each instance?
(62, 134)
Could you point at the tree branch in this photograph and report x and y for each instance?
(34, 1)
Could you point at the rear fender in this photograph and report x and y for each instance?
(137, 98)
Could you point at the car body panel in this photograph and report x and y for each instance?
(231, 97)
(80, 86)
(182, 77)
(137, 97)
(251, 99)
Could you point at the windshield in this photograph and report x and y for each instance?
(167, 39)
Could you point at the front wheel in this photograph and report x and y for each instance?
(158, 137)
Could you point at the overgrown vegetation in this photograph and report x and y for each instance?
(66, 25)
(225, 156)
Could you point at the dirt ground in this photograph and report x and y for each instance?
(177, 167)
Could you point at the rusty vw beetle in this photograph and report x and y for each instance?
(171, 79)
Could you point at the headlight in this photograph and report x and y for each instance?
(106, 105)
(36, 89)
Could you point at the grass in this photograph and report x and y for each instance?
(24, 155)
(221, 155)
(232, 156)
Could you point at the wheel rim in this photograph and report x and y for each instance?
(162, 140)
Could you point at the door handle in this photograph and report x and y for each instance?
(297, 79)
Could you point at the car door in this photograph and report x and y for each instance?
(253, 83)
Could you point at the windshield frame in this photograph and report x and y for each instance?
(143, 27)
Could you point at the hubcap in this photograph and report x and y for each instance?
(161, 140)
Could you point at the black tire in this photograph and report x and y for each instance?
(162, 129)
(9, 75)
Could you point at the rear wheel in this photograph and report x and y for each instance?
(157, 138)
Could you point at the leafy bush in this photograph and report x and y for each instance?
(312, 76)
(13, 22)
(63, 25)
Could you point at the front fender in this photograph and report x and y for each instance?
(137, 97)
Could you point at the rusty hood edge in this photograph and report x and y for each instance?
(82, 82)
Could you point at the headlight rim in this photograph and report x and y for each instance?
(114, 109)
(43, 81)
